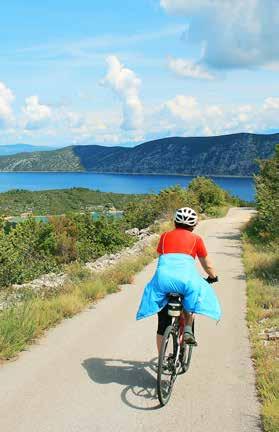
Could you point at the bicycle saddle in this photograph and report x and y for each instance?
(175, 296)
(174, 304)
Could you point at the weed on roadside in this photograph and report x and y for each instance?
(261, 264)
(26, 321)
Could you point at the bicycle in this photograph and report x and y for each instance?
(175, 354)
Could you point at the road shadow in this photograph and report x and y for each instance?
(140, 383)
(229, 236)
(256, 422)
(234, 254)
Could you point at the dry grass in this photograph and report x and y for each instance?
(261, 264)
(23, 323)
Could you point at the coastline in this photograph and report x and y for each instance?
(131, 174)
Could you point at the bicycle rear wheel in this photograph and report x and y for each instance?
(186, 354)
(167, 370)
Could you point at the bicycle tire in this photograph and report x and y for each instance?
(186, 355)
(186, 358)
(164, 384)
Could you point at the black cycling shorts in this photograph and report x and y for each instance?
(164, 320)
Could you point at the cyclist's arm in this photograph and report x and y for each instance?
(160, 244)
(207, 266)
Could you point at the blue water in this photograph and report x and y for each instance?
(121, 183)
(95, 216)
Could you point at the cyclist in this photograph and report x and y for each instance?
(177, 272)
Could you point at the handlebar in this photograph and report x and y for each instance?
(211, 280)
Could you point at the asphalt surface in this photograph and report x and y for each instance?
(95, 372)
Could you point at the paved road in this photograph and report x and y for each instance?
(95, 372)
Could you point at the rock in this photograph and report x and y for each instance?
(133, 231)
(269, 334)
(108, 260)
(273, 335)
(145, 231)
(51, 283)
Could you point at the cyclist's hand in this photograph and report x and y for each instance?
(211, 280)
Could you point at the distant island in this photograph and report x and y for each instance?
(224, 155)
(11, 149)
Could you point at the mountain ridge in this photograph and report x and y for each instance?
(231, 155)
(11, 149)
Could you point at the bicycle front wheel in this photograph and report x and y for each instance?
(167, 370)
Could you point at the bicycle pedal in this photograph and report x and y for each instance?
(191, 342)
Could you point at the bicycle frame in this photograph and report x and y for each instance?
(179, 324)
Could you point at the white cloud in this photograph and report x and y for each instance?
(271, 103)
(183, 107)
(191, 117)
(187, 69)
(125, 84)
(213, 111)
(272, 66)
(6, 99)
(84, 126)
(233, 33)
(182, 115)
(186, 7)
(36, 115)
(244, 113)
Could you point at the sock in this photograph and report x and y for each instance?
(188, 329)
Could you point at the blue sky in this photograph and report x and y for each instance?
(123, 72)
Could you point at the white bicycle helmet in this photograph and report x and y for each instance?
(186, 216)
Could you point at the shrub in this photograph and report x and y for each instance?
(26, 251)
(32, 248)
(267, 187)
(141, 214)
(175, 197)
(207, 193)
(144, 213)
(66, 234)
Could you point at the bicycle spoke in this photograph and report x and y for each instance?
(166, 366)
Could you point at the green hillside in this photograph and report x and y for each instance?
(233, 155)
(56, 160)
(55, 202)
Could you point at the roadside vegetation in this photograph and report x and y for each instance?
(261, 242)
(30, 248)
(202, 194)
(22, 324)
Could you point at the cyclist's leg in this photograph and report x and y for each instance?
(164, 320)
(189, 336)
(189, 318)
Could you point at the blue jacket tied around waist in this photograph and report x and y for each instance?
(177, 272)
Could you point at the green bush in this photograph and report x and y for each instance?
(267, 187)
(202, 194)
(32, 248)
(141, 214)
(26, 251)
(208, 194)
(175, 197)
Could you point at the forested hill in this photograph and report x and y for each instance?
(221, 155)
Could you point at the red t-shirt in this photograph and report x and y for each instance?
(180, 240)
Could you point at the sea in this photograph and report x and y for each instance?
(241, 187)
